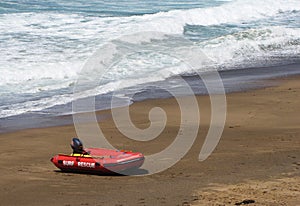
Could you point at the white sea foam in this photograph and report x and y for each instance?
(247, 48)
(45, 51)
(53, 41)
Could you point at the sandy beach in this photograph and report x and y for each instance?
(257, 159)
(157, 60)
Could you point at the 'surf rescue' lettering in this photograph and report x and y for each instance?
(68, 163)
(86, 164)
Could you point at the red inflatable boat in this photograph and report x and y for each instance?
(99, 161)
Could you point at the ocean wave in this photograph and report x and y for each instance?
(254, 47)
(45, 51)
(35, 39)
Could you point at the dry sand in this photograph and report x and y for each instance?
(258, 158)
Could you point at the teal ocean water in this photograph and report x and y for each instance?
(44, 44)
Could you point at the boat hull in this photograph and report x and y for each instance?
(102, 161)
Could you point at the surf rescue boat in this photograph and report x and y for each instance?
(98, 160)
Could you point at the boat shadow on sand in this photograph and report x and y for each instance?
(125, 173)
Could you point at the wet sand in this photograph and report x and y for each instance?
(258, 158)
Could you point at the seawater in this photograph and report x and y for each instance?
(44, 44)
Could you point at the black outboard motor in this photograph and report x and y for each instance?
(77, 146)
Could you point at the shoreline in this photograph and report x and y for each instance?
(260, 145)
(235, 80)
